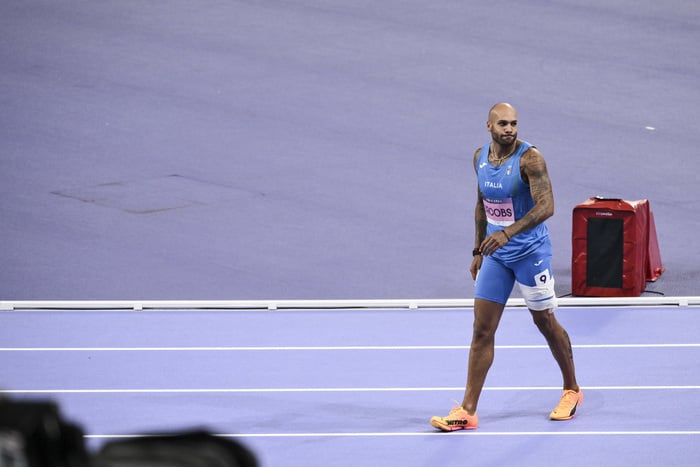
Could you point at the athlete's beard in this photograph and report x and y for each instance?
(506, 141)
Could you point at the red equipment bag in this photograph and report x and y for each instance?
(614, 248)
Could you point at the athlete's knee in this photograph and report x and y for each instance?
(483, 332)
(544, 320)
(487, 315)
(548, 325)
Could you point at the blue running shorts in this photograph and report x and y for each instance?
(533, 274)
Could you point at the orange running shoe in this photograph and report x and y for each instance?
(458, 419)
(566, 409)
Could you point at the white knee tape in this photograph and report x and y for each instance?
(540, 297)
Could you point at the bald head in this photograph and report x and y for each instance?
(503, 124)
(502, 110)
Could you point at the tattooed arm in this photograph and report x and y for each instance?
(534, 172)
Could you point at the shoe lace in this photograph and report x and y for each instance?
(457, 407)
(568, 398)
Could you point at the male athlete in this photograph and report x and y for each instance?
(512, 245)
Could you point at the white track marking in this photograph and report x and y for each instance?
(329, 348)
(421, 433)
(316, 390)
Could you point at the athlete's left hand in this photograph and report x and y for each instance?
(493, 242)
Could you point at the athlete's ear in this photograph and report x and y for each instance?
(488, 125)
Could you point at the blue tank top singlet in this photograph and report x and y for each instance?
(506, 199)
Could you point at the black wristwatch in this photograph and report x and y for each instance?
(476, 252)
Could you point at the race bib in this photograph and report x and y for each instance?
(500, 212)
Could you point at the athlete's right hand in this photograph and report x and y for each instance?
(476, 265)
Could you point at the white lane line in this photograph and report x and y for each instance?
(238, 348)
(422, 433)
(313, 390)
(329, 348)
